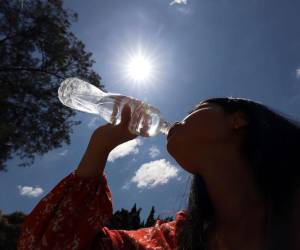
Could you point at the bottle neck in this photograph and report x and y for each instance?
(165, 127)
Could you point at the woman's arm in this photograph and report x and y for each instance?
(95, 156)
(79, 206)
(103, 140)
(68, 217)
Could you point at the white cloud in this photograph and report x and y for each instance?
(185, 10)
(126, 186)
(93, 122)
(178, 2)
(298, 73)
(130, 147)
(63, 153)
(154, 173)
(30, 191)
(154, 152)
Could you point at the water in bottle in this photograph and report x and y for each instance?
(78, 94)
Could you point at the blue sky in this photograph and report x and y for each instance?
(203, 49)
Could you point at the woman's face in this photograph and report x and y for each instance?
(201, 136)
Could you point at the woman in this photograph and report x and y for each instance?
(244, 194)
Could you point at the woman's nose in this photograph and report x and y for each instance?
(175, 124)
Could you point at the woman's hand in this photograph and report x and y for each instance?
(103, 140)
(110, 136)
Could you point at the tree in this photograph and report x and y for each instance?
(135, 220)
(126, 220)
(150, 220)
(10, 226)
(37, 51)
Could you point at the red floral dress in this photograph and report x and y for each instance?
(73, 215)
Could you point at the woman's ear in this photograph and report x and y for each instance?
(238, 120)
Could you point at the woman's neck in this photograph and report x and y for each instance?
(240, 209)
(248, 235)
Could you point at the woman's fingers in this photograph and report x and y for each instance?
(113, 116)
(146, 125)
(125, 115)
(131, 118)
(136, 116)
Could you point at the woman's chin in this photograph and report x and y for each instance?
(174, 147)
(171, 145)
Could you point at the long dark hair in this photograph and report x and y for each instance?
(271, 145)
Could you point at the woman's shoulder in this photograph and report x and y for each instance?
(180, 218)
(181, 215)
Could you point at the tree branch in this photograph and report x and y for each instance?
(33, 70)
(4, 39)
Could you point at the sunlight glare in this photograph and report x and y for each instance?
(139, 68)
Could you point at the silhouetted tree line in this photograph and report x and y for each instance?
(10, 224)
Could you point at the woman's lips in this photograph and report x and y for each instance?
(169, 135)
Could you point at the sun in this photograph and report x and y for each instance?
(139, 67)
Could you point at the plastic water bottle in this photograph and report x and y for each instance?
(145, 119)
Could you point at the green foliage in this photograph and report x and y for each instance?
(37, 51)
(124, 219)
(10, 229)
